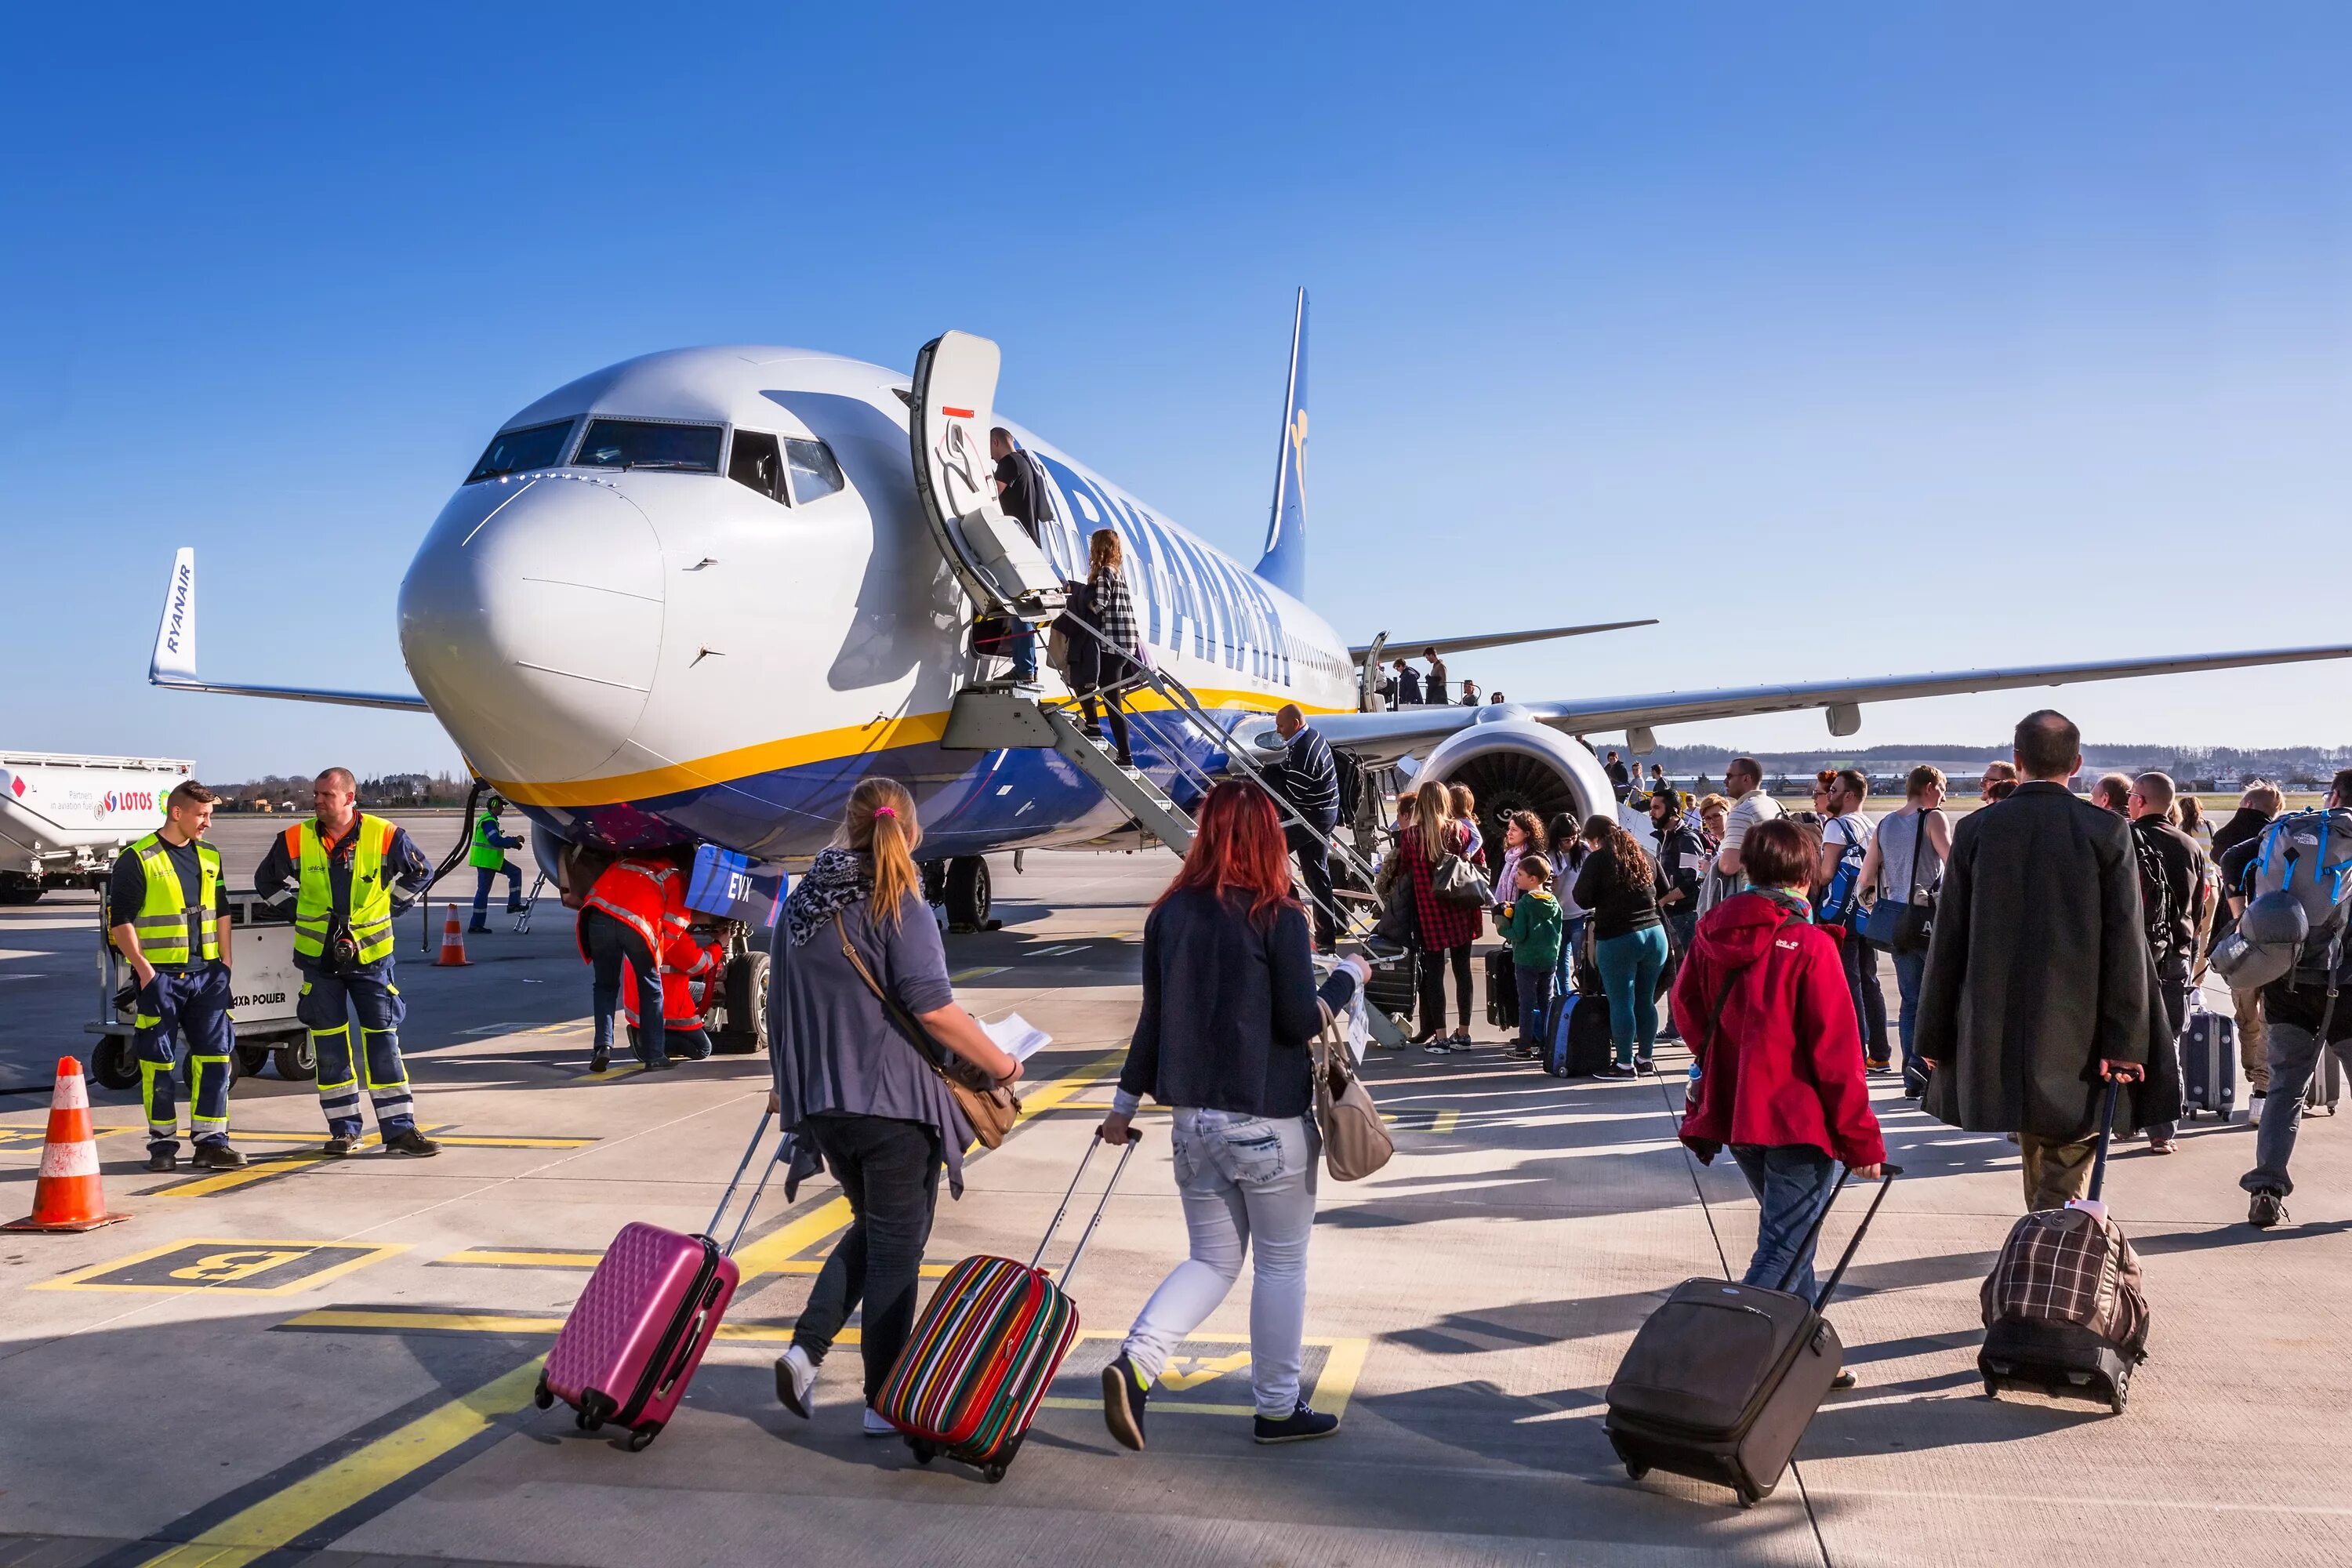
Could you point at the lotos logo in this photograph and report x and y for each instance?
(127, 800)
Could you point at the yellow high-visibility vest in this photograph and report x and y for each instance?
(314, 900)
(162, 923)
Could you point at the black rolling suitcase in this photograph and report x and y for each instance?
(1391, 986)
(1722, 1381)
(2063, 1313)
(1502, 990)
(2209, 1063)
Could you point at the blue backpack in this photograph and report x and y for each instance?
(1835, 906)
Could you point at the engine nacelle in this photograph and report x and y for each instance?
(1511, 762)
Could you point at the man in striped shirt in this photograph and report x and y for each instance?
(1308, 779)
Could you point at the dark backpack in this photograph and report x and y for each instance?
(2155, 898)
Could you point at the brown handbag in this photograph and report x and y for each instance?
(992, 1109)
(1356, 1141)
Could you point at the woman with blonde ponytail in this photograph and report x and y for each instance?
(859, 1077)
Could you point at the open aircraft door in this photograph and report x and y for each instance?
(997, 561)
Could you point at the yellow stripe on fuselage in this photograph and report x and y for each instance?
(818, 746)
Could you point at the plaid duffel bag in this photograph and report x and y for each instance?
(2070, 1266)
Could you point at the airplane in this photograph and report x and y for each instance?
(698, 595)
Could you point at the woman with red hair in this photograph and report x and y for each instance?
(1230, 1007)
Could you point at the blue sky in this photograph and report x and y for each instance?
(1843, 339)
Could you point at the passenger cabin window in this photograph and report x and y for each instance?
(756, 462)
(512, 451)
(815, 473)
(642, 444)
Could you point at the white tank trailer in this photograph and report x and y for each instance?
(63, 819)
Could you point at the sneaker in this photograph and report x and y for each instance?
(2254, 1108)
(1439, 1045)
(1880, 1066)
(1521, 1053)
(342, 1144)
(1612, 1070)
(1643, 1064)
(1844, 1379)
(796, 1381)
(412, 1142)
(2267, 1209)
(2162, 1146)
(1462, 1037)
(1125, 1390)
(874, 1426)
(216, 1157)
(163, 1159)
(1301, 1425)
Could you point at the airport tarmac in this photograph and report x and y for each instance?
(332, 1362)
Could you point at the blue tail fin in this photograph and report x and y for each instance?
(1284, 564)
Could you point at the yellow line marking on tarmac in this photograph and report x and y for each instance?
(238, 1257)
(491, 1257)
(1445, 1120)
(270, 1167)
(1343, 1364)
(274, 1522)
(965, 976)
(279, 1519)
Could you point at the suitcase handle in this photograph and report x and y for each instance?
(1886, 1179)
(711, 1230)
(1133, 1138)
(2106, 1131)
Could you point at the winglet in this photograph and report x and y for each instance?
(173, 665)
(175, 634)
(1284, 564)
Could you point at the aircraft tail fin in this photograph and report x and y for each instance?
(175, 659)
(1284, 564)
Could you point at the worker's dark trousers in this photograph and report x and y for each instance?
(194, 1002)
(485, 879)
(1314, 850)
(328, 1002)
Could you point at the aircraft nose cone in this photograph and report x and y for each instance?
(531, 620)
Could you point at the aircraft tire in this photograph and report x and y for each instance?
(747, 1006)
(969, 893)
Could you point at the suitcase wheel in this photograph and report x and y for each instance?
(1635, 1469)
(640, 1438)
(993, 1470)
(1992, 1386)
(924, 1453)
(543, 1396)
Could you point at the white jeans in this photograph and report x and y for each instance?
(1241, 1178)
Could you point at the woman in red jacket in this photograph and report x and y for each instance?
(1780, 1080)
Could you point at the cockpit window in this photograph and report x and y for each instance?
(815, 473)
(642, 444)
(756, 462)
(512, 451)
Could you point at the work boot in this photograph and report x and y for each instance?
(216, 1157)
(516, 907)
(409, 1140)
(163, 1159)
(342, 1144)
(478, 927)
(2267, 1209)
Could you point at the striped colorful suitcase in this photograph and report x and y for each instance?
(987, 1347)
(630, 1347)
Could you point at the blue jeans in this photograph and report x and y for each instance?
(1791, 1182)
(1910, 968)
(1021, 648)
(1630, 967)
(1535, 1002)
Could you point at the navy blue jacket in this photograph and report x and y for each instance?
(1229, 1008)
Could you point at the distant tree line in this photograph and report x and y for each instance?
(281, 792)
(2205, 768)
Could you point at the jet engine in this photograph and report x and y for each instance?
(1511, 762)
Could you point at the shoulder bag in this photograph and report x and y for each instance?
(1356, 1141)
(1905, 927)
(992, 1109)
(1454, 880)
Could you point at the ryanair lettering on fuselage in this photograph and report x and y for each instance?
(1191, 600)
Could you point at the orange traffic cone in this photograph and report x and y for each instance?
(70, 1195)
(453, 945)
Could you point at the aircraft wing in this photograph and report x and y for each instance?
(1413, 648)
(173, 665)
(1401, 732)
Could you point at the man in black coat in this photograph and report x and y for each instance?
(2038, 983)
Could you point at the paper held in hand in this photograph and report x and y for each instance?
(1017, 1037)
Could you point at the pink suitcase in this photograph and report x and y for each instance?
(629, 1349)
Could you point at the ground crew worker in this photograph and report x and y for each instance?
(636, 907)
(688, 965)
(350, 875)
(488, 856)
(170, 918)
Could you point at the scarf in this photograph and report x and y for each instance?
(835, 879)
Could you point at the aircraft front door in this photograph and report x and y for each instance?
(997, 561)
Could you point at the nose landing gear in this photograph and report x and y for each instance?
(962, 885)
